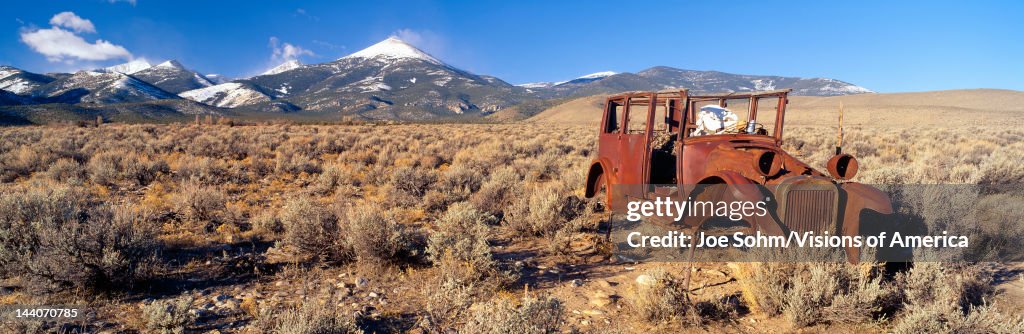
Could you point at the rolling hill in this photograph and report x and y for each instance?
(968, 107)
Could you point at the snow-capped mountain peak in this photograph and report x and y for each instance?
(130, 67)
(598, 75)
(286, 66)
(393, 48)
(588, 78)
(173, 77)
(171, 64)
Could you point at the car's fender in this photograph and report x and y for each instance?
(594, 174)
(858, 198)
(744, 189)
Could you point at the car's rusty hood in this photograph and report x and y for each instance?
(739, 153)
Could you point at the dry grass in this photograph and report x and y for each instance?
(529, 315)
(169, 316)
(310, 318)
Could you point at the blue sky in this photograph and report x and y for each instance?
(885, 46)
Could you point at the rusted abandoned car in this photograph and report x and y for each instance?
(665, 144)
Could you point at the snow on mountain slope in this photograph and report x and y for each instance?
(587, 78)
(284, 67)
(173, 77)
(16, 81)
(393, 48)
(130, 67)
(14, 84)
(171, 64)
(598, 75)
(536, 85)
(136, 88)
(581, 79)
(226, 95)
(101, 87)
(831, 87)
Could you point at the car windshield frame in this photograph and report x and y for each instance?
(752, 100)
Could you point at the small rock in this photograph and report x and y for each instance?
(600, 299)
(577, 282)
(593, 312)
(584, 322)
(230, 305)
(630, 268)
(361, 282)
(372, 295)
(646, 280)
(221, 298)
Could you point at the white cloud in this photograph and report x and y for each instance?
(426, 40)
(132, 2)
(71, 21)
(60, 45)
(409, 36)
(285, 51)
(302, 12)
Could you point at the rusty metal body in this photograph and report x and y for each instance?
(648, 147)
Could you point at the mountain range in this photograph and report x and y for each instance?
(386, 81)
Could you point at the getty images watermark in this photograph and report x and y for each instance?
(749, 223)
(736, 211)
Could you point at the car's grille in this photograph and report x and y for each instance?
(811, 210)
